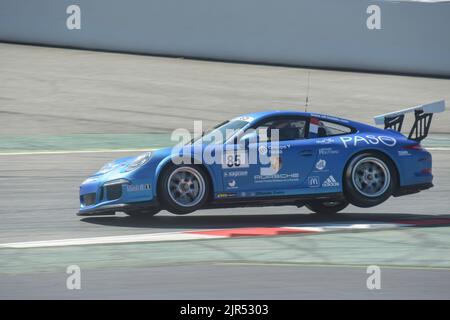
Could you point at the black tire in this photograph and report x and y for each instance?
(143, 213)
(168, 197)
(359, 180)
(327, 207)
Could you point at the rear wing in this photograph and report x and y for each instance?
(423, 115)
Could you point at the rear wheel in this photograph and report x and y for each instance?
(327, 207)
(370, 179)
(183, 189)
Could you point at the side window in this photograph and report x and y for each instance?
(320, 128)
(288, 129)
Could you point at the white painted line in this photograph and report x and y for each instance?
(438, 148)
(307, 229)
(349, 226)
(73, 152)
(154, 237)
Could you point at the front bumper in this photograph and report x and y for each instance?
(111, 209)
(100, 196)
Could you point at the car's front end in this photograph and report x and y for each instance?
(120, 185)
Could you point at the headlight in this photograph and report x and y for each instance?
(116, 182)
(139, 161)
(107, 168)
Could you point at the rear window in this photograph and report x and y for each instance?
(320, 128)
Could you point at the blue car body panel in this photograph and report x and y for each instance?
(311, 166)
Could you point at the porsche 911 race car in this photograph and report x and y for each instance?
(271, 158)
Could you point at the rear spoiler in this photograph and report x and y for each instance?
(423, 115)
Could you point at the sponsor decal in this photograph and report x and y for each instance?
(327, 151)
(247, 194)
(368, 140)
(263, 193)
(262, 149)
(321, 164)
(275, 163)
(282, 147)
(277, 149)
(137, 188)
(226, 195)
(232, 184)
(235, 174)
(325, 141)
(313, 182)
(275, 166)
(279, 177)
(330, 182)
(269, 193)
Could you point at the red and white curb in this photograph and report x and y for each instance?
(227, 233)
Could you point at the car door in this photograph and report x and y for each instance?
(325, 137)
(282, 164)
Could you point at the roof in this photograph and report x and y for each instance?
(263, 114)
(256, 116)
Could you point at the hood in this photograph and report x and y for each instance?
(115, 165)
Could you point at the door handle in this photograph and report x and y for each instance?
(306, 153)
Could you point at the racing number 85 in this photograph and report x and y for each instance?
(237, 159)
(233, 160)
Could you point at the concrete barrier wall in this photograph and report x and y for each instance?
(405, 37)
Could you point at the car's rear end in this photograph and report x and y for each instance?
(414, 162)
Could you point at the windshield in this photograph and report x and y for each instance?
(221, 133)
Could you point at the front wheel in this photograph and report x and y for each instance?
(370, 179)
(327, 207)
(183, 189)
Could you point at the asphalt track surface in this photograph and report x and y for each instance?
(233, 282)
(55, 91)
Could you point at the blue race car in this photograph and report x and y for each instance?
(269, 159)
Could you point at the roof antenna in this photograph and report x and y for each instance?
(307, 92)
